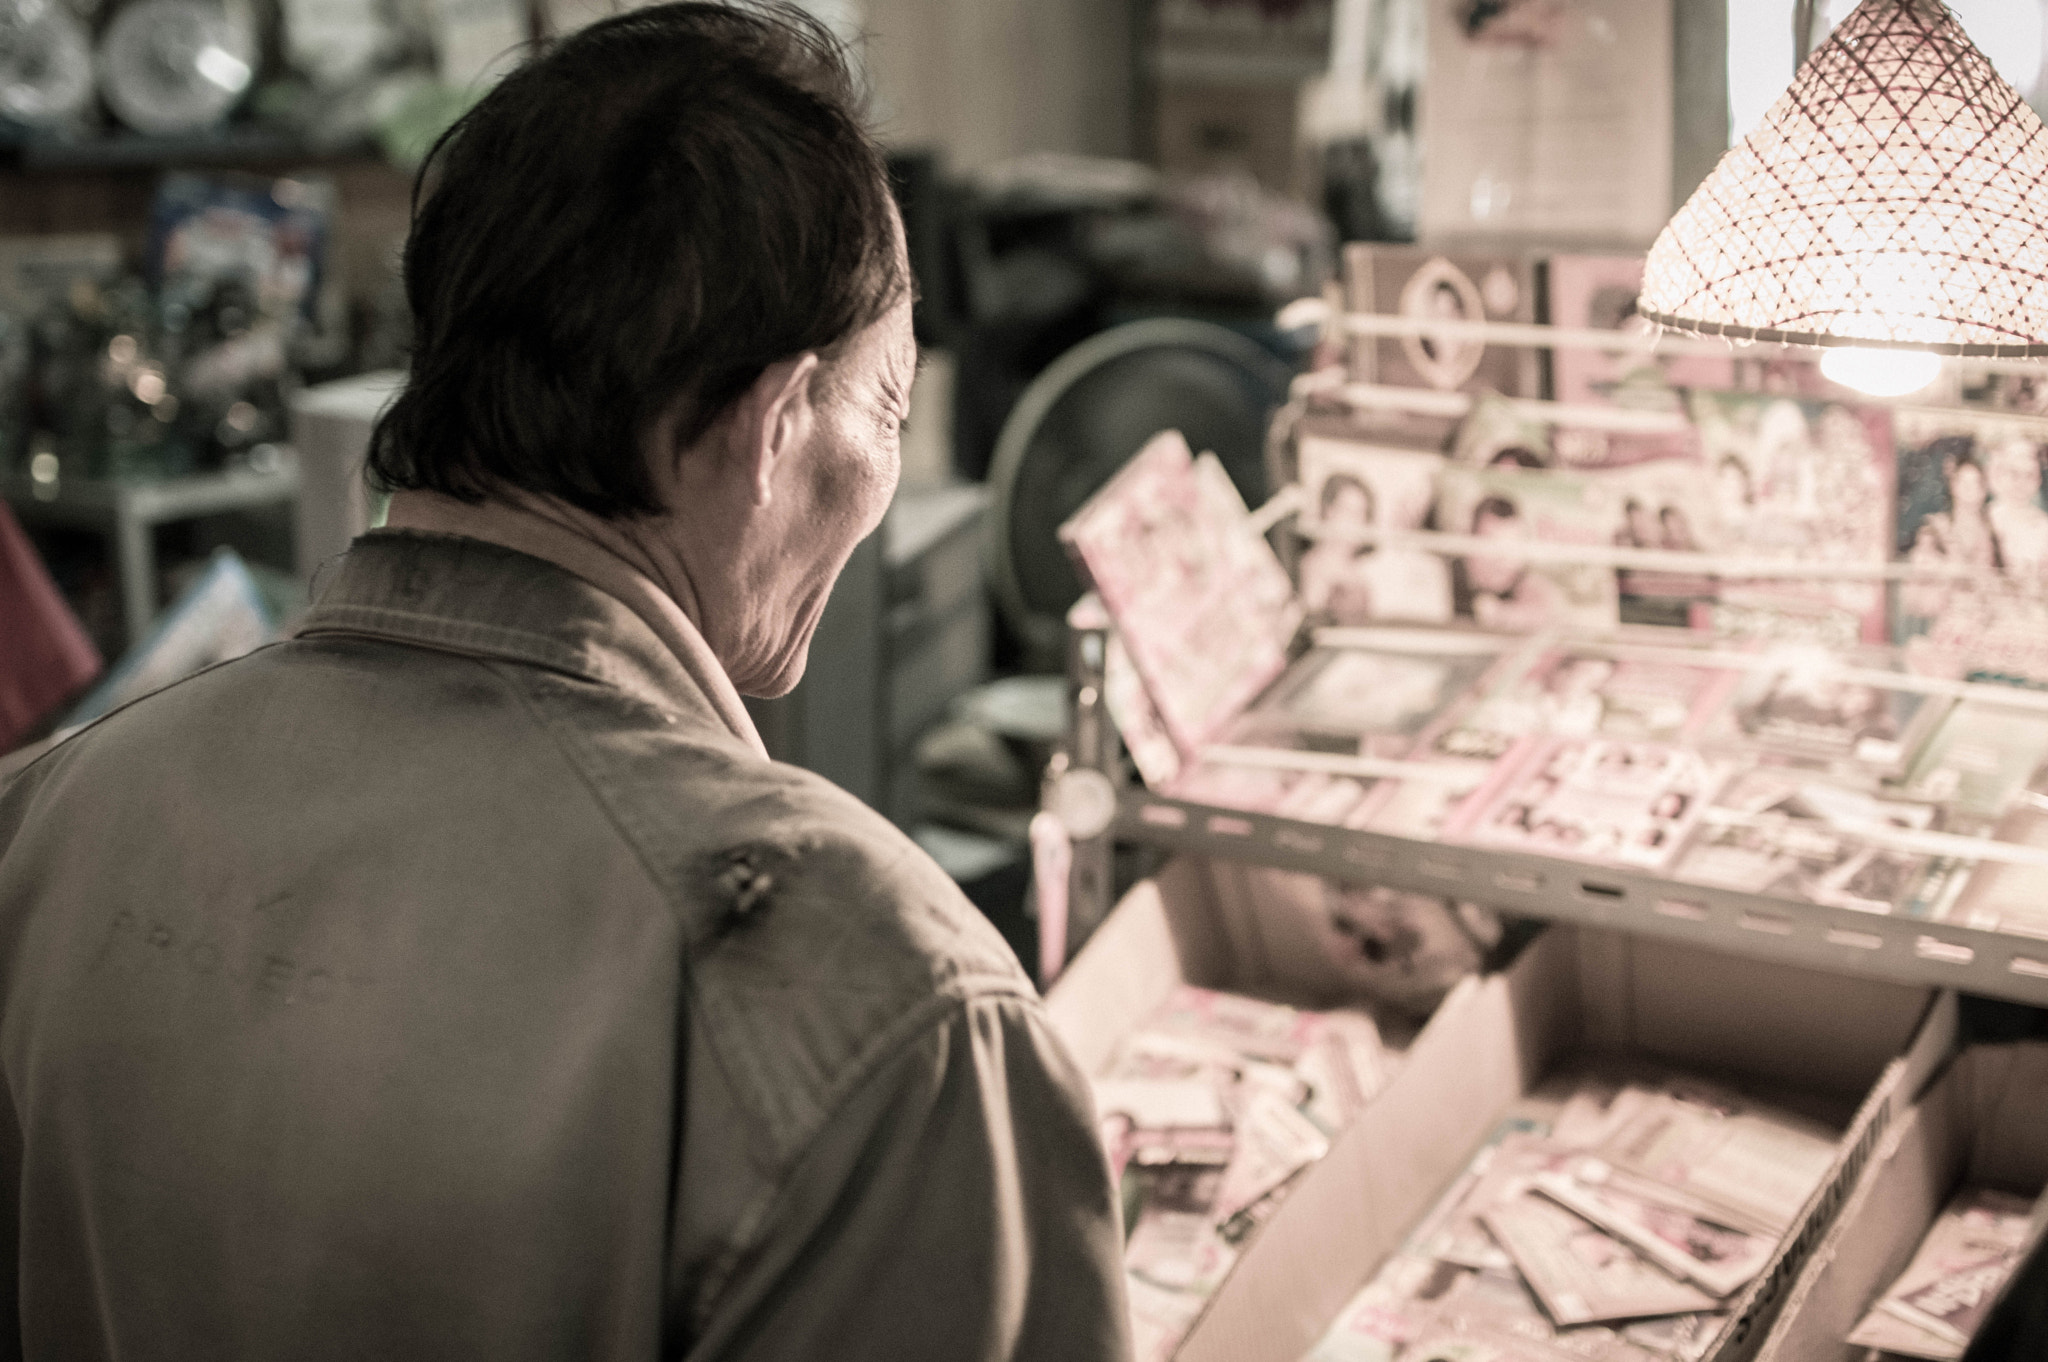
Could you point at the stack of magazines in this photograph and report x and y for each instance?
(1209, 1110)
(1621, 1228)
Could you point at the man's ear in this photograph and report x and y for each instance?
(774, 420)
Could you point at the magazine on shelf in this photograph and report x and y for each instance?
(1586, 690)
(1497, 433)
(2012, 898)
(1199, 599)
(1598, 292)
(1310, 796)
(1980, 758)
(1416, 282)
(1970, 496)
(1136, 717)
(1350, 484)
(1368, 700)
(1998, 390)
(1938, 1302)
(1804, 480)
(1807, 710)
(1592, 799)
(1505, 591)
(1795, 835)
(1658, 505)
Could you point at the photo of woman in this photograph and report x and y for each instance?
(1356, 487)
(1970, 495)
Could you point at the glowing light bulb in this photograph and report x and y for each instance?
(1881, 373)
(223, 68)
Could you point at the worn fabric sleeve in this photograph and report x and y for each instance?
(957, 1207)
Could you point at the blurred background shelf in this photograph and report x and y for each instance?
(128, 511)
(228, 147)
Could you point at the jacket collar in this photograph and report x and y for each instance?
(462, 595)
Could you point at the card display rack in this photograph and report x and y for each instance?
(1901, 948)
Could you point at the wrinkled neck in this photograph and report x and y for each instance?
(617, 557)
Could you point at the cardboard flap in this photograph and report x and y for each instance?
(2009, 1109)
(1488, 1043)
(1123, 973)
(1901, 1191)
(1720, 1012)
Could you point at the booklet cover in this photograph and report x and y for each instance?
(1352, 484)
(1791, 834)
(1586, 690)
(1370, 700)
(1414, 281)
(1804, 480)
(1592, 799)
(1971, 497)
(1807, 710)
(1582, 1275)
(1935, 1306)
(1502, 590)
(1979, 759)
(1715, 1257)
(1199, 598)
(1599, 292)
(2012, 898)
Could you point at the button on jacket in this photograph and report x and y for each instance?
(450, 982)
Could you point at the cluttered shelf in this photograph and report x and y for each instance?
(1703, 647)
(234, 146)
(1909, 857)
(100, 501)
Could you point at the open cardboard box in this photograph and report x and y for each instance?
(1857, 1046)
(1979, 1123)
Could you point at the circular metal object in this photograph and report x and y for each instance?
(174, 66)
(1084, 801)
(1084, 417)
(45, 63)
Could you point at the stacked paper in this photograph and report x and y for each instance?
(1209, 1111)
(1620, 1231)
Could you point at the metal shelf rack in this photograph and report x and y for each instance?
(1904, 949)
(1992, 964)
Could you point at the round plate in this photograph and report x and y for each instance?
(1085, 416)
(173, 66)
(45, 63)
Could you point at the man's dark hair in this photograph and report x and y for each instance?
(656, 210)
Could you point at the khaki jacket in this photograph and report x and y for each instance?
(449, 982)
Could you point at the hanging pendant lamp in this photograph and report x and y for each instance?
(1896, 196)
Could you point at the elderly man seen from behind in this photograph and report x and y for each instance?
(459, 978)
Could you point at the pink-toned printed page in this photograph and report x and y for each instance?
(1200, 600)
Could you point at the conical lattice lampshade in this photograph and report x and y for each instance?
(1895, 196)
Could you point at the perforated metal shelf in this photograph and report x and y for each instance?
(1909, 950)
